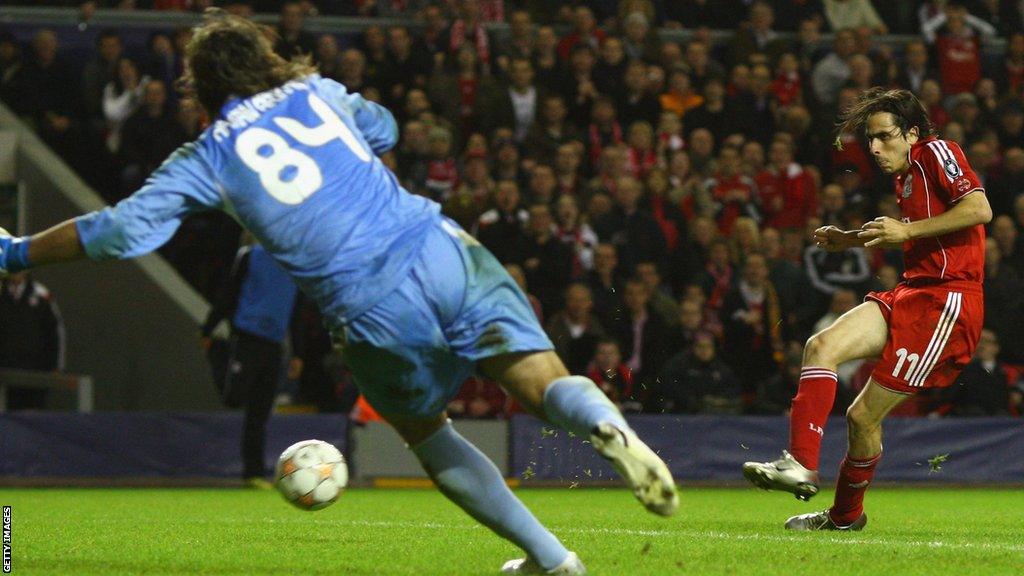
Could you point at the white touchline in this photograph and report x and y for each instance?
(682, 533)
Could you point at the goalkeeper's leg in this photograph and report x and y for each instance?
(468, 478)
(541, 383)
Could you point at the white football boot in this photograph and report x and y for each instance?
(570, 566)
(822, 521)
(644, 471)
(783, 474)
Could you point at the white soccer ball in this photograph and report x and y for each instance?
(311, 474)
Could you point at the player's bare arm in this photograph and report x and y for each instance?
(58, 244)
(972, 210)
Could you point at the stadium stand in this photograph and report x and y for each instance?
(634, 160)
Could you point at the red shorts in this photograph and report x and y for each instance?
(933, 330)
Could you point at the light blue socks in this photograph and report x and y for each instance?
(472, 481)
(576, 404)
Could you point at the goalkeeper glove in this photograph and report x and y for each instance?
(13, 254)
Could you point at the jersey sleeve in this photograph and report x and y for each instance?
(950, 171)
(376, 123)
(144, 221)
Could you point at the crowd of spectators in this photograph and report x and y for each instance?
(654, 197)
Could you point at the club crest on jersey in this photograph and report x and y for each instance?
(908, 187)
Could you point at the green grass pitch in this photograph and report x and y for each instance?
(382, 532)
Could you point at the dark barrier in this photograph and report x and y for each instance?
(707, 448)
(124, 444)
(712, 448)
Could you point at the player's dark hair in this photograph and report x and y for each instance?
(230, 56)
(906, 109)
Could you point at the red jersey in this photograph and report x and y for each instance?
(939, 177)
(565, 45)
(787, 88)
(795, 189)
(959, 62)
(467, 97)
(1014, 76)
(722, 187)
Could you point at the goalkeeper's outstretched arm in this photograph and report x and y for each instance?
(58, 244)
(137, 225)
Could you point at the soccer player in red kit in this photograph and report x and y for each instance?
(924, 330)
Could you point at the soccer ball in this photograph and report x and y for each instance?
(311, 474)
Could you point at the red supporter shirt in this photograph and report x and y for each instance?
(786, 88)
(1014, 76)
(442, 178)
(467, 97)
(566, 44)
(795, 187)
(959, 63)
(938, 178)
(721, 187)
(854, 153)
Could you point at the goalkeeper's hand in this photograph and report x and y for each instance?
(5, 241)
(13, 254)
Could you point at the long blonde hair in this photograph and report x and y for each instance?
(231, 56)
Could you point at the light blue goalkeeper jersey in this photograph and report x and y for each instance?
(296, 166)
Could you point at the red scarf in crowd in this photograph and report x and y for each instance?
(468, 88)
(723, 283)
(668, 227)
(458, 38)
(574, 240)
(492, 10)
(641, 162)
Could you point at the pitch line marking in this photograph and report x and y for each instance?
(686, 533)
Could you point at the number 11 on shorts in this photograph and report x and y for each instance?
(910, 359)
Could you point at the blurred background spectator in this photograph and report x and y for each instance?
(258, 302)
(31, 335)
(984, 388)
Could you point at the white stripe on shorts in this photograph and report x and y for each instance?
(954, 303)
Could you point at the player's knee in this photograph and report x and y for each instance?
(527, 376)
(859, 420)
(415, 430)
(816, 350)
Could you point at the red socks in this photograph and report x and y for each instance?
(854, 477)
(811, 405)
